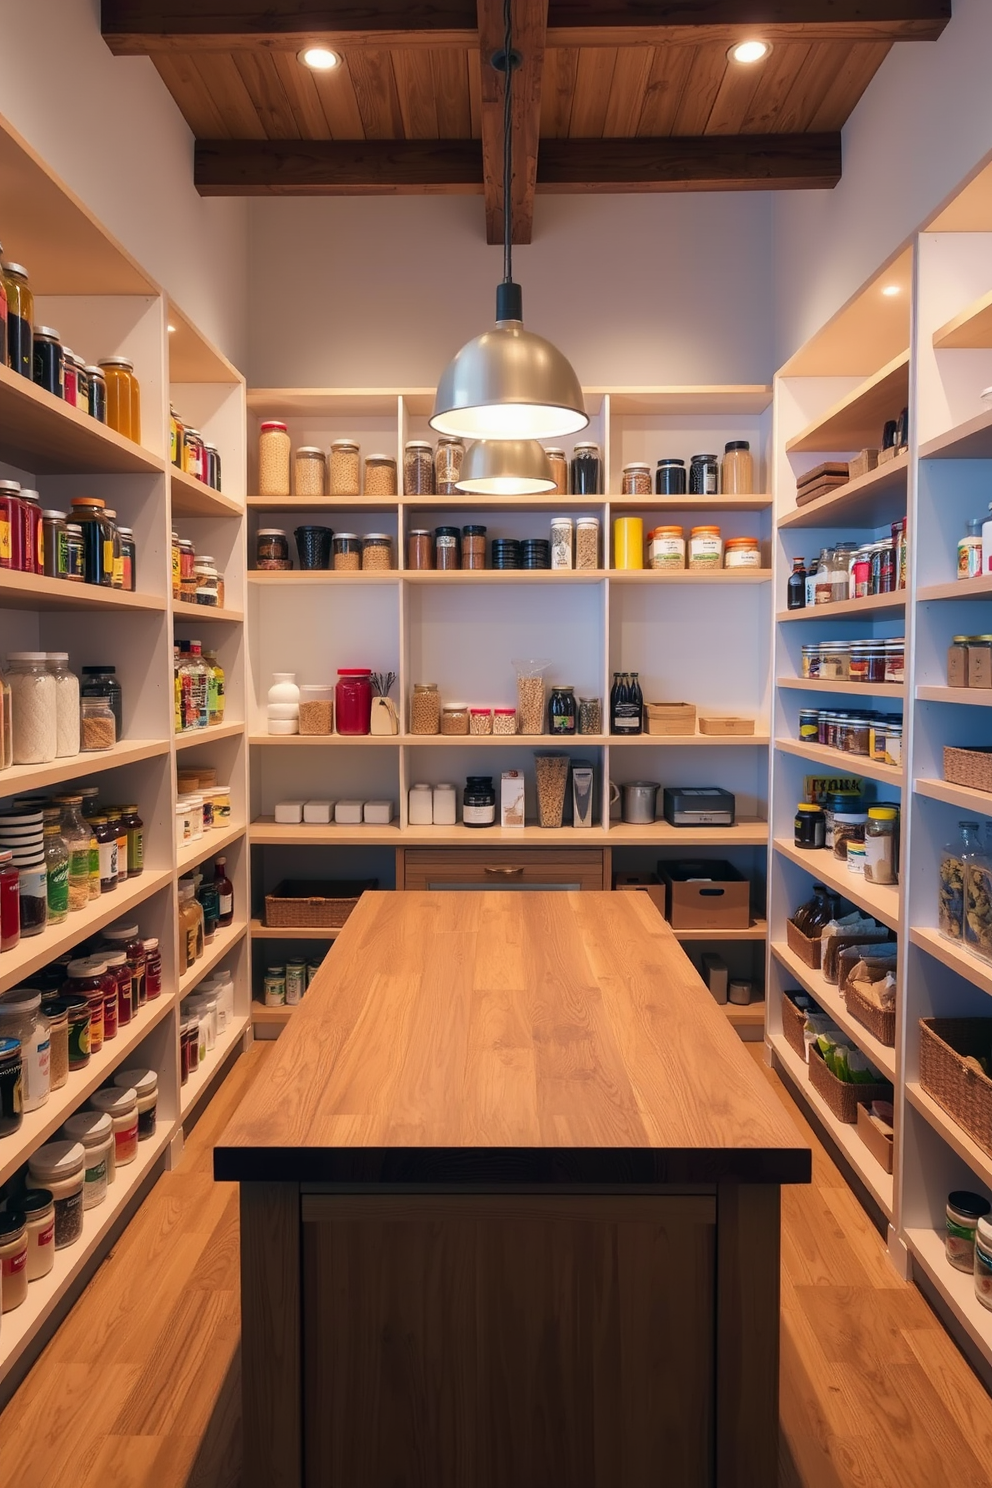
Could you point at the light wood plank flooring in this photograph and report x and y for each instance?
(140, 1387)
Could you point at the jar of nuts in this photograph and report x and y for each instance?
(425, 708)
(377, 551)
(448, 464)
(635, 480)
(273, 458)
(418, 468)
(504, 721)
(454, 718)
(310, 471)
(347, 548)
(380, 475)
(344, 472)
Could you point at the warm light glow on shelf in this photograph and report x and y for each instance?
(749, 51)
(892, 289)
(172, 330)
(319, 58)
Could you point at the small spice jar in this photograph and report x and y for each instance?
(38, 1208)
(705, 548)
(418, 468)
(94, 1131)
(11, 1086)
(473, 547)
(741, 552)
(737, 476)
(666, 548)
(425, 708)
(810, 827)
(144, 1082)
(271, 549)
(347, 552)
(380, 475)
(120, 1103)
(454, 718)
(58, 1168)
(704, 475)
(559, 471)
(419, 548)
(274, 448)
(635, 480)
(377, 551)
(480, 720)
(13, 1258)
(309, 471)
(447, 547)
(504, 721)
(448, 459)
(587, 543)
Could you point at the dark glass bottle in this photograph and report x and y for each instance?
(208, 894)
(625, 714)
(225, 893)
(636, 701)
(106, 836)
(797, 585)
(561, 710)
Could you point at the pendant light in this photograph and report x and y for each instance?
(506, 467)
(508, 383)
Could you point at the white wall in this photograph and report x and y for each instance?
(634, 289)
(109, 128)
(923, 124)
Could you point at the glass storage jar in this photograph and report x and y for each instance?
(425, 708)
(207, 584)
(20, 319)
(705, 548)
(353, 700)
(310, 471)
(377, 551)
(380, 475)
(742, 552)
(447, 547)
(274, 448)
(666, 548)
(559, 471)
(473, 547)
(194, 454)
(562, 543)
(590, 716)
(954, 862)
(98, 729)
(448, 459)
(66, 704)
(587, 543)
(55, 543)
(737, 475)
(418, 468)
(96, 394)
(586, 470)
(11, 526)
(21, 1018)
(271, 549)
(123, 397)
(345, 468)
(704, 476)
(635, 479)
(670, 478)
(504, 721)
(454, 718)
(98, 539)
(34, 532)
(347, 551)
(34, 708)
(419, 548)
(480, 720)
(881, 845)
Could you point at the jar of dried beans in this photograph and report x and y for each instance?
(480, 720)
(345, 471)
(380, 475)
(273, 458)
(347, 552)
(418, 468)
(636, 480)
(310, 472)
(504, 721)
(377, 551)
(425, 708)
(454, 718)
(447, 465)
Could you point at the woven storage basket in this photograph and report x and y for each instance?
(971, 767)
(963, 1092)
(843, 1098)
(312, 905)
(793, 1026)
(880, 1024)
(808, 951)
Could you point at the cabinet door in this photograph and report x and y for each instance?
(504, 868)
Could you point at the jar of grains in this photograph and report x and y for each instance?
(419, 548)
(448, 464)
(345, 468)
(473, 547)
(425, 708)
(347, 548)
(480, 720)
(316, 708)
(666, 548)
(271, 549)
(705, 548)
(741, 552)
(380, 475)
(562, 542)
(34, 708)
(504, 721)
(377, 551)
(447, 545)
(454, 718)
(98, 727)
(418, 468)
(587, 542)
(559, 470)
(310, 471)
(636, 480)
(737, 476)
(273, 458)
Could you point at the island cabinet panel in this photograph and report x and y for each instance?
(497, 1339)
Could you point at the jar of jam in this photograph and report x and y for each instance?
(272, 549)
(419, 548)
(96, 394)
(125, 937)
(10, 902)
(123, 990)
(11, 526)
(153, 969)
(123, 397)
(34, 533)
(353, 700)
(84, 984)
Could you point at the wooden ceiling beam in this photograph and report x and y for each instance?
(723, 22)
(454, 167)
(530, 20)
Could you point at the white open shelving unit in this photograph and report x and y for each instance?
(104, 304)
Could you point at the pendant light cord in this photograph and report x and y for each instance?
(508, 62)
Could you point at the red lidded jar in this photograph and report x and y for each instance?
(353, 700)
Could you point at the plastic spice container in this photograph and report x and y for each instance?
(377, 551)
(810, 826)
(316, 717)
(448, 459)
(94, 1131)
(271, 549)
(310, 471)
(418, 468)
(145, 1084)
(425, 708)
(420, 811)
(562, 542)
(473, 547)
(670, 478)
(120, 1103)
(273, 458)
(353, 700)
(38, 1208)
(738, 469)
(58, 1167)
(447, 547)
(380, 475)
(559, 471)
(344, 473)
(13, 1259)
(21, 1018)
(705, 548)
(56, 1012)
(504, 721)
(666, 548)
(123, 397)
(11, 1086)
(635, 480)
(881, 863)
(454, 718)
(590, 716)
(963, 1212)
(480, 720)
(34, 708)
(419, 548)
(347, 550)
(587, 542)
(741, 552)
(703, 476)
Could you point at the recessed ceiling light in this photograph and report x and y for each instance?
(892, 289)
(749, 51)
(319, 58)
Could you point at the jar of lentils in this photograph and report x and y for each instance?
(310, 471)
(344, 470)
(636, 480)
(425, 708)
(419, 548)
(380, 475)
(418, 468)
(448, 459)
(273, 458)
(377, 551)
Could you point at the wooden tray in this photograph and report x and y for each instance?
(725, 725)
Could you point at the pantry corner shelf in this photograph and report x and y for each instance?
(182, 610)
(194, 498)
(23, 591)
(842, 763)
(872, 606)
(21, 778)
(971, 697)
(662, 577)
(277, 1017)
(957, 1288)
(965, 798)
(832, 1001)
(979, 587)
(854, 421)
(954, 956)
(874, 499)
(880, 900)
(43, 434)
(684, 503)
(955, 1136)
(291, 932)
(191, 737)
(202, 1080)
(971, 440)
(224, 940)
(856, 689)
(207, 846)
(970, 329)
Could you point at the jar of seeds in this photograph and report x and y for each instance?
(480, 720)
(587, 542)
(380, 475)
(418, 468)
(559, 470)
(425, 709)
(561, 542)
(635, 480)
(344, 472)
(590, 716)
(310, 471)
(448, 464)
(454, 718)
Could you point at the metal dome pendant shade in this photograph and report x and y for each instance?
(508, 383)
(506, 467)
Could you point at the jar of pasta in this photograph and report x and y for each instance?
(380, 475)
(705, 548)
(273, 458)
(345, 472)
(666, 548)
(310, 471)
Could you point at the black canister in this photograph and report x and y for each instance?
(48, 361)
(535, 552)
(96, 393)
(11, 1114)
(669, 478)
(479, 802)
(586, 470)
(505, 552)
(704, 475)
(810, 831)
(314, 546)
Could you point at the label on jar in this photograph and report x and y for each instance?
(893, 749)
(626, 718)
(46, 1236)
(744, 558)
(58, 889)
(479, 816)
(275, 992)
(13, 1265)
(4, 541)
(878, 858)
(226, 905)
(108, 860)
(667, 552)
(705, 552)
(295, 984)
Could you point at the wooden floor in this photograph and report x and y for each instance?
(139, 1388)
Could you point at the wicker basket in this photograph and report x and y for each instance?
(964, 1093)
(302, 904)
(808, 951)
(794, 1026)
(833, 958)
(970, 767)
(881, 1025)
(842, 1098)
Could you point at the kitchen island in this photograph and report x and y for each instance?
(510, 1210)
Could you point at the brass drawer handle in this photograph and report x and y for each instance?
(504, 872)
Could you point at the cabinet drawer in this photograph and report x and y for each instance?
(504, 868)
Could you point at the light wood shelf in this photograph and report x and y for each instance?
(511, 741)
(970, 329)
(757, 930)
(191, 737)
(653, 401)
(704, 398)
(23, 591)
(751, 1015)
(880, 900)
(832, 1002)
(686, 503)
(964, 797)
(20, 779)
(194, 498)
(296, 932)
(551, 502)
(690, 576)
(43, 434)
(182, 610)
(955, 1287)
(854, 689)
(955, 1136)
(511, 576)
(872, 607)
(953, 955)
(270, 1017)
(224, 941)
(318, 578)
(971, 697)
(841, 763)
(971, 440)
(201, 1082)
(874, 500)
(331, 505)
(208, 846)
(979, 587)
(264, 831)
(855, 421)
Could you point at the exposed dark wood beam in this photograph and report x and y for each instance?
(530, 19)
(454, 167)
(138, 27)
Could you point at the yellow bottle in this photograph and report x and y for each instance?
(628, 542)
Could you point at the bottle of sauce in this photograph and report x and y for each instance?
(225, 893)
(797, 585)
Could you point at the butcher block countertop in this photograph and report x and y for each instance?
(509, 1040)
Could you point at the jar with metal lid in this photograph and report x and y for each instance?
(38, 1208)
(274, 448)
(346, 548)
(425, 708)
(380, 475)
(144, 1082)
(957, 661)
(57, 1167)
(586, 472)
(666, 548)
(809, 725)
(562, 543)
(153, 969)
(419, 548)
(345, 468)
(213, 466)
(310, 471)
(742, 552)
(272, 549)
(737, 475)
(120, 1103)
(96, 394)
(296, 980)
(11, 526)
(274, 987)
(75, 379)
(66, 704)
(448, 459)
(559, 471)
(13, 1257)
(809, 826)
(562, 711)
(94, 1131)
(418, 468)
(123, 397)
(479, 801)
(867, 662)
(504, 721)
(11, 1086)
(586, 543)
(97, 729)
(20, 319)
(447, 547)
(56, 873)
(670, 478)
(454, 718)
(377, 551)
(705, 548)
(48, 361)
(635, 479)
(704, 476)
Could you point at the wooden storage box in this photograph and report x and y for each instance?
(879, 1144)
(670, 718)
(794, 1026)
(808, 951)
(842, 1098)
(960, 1089)
(705, 895)
(313, 904)
(648, 882)
(726, 725)
(971, 767)
(860, 465)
